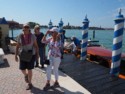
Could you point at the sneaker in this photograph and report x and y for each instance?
(56, 84)
(29, 86)
(26, 79)
(46, 87)
(36, 66)
(42, 66)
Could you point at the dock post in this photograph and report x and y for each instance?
(93, 34)
(50, 25)
(84, 38)
(117, 44)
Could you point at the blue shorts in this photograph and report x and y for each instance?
(27, 65)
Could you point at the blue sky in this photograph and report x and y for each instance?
(99, 12)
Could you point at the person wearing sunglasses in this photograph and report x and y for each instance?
(26, 42)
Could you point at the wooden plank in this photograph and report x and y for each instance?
(109, 87)
(93, 77)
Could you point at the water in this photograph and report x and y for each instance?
(105, 37)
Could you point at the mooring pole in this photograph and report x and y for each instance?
(117, 44)
(84, 39)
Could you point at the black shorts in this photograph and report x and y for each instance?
(27, 65)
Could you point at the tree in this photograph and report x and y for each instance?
(32, 24)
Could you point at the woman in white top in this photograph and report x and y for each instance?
(54, 55)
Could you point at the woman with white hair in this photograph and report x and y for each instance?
(39, 35)
(54, 55)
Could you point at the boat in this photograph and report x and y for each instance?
(103, 56)
(93, 43)
(12, 46)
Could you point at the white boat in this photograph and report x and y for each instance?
(12, 46)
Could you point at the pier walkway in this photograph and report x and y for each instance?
(12, 80)
(95, 78)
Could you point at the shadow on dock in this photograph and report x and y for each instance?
(36, 90)
(5, 64)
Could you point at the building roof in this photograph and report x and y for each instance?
(3, 21)
(12, 22)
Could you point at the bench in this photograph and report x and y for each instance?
(1, 56)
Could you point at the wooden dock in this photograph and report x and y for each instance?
(95, 78)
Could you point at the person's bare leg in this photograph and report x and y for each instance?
(24, 72)
(30, 76)
(29, 86)
(25, 75)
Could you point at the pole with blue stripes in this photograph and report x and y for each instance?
(84, 38)
(50, 25)
(60, 25)
(117, 44)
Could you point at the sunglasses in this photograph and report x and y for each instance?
(51, 32)
(38, 28)
(26, 27)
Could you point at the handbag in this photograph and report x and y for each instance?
(26, 56)
(47, 62)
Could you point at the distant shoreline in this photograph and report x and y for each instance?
(69, 27)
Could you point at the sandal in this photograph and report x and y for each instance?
(26, 78)
(29, 86)
(56, 84)
(46, 87)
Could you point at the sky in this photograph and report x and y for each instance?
(99, 12)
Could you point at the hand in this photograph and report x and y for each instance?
(48, 32)
(58, 37)
(16, 58)
(37, 56)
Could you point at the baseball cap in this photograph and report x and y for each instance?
(54, 29)
(36, 26)
(26, 25)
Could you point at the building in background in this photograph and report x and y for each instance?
(13, 24)
(4, 32)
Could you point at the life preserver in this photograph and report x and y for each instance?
(121, 76)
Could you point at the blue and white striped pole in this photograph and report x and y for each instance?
(61, 25)
(117, 44)
(84, 38)
(50, 25)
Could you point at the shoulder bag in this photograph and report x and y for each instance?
(26, 56)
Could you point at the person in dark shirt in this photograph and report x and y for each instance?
(39, 35)
(76, 46)
(63, 37)
(76, 42)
